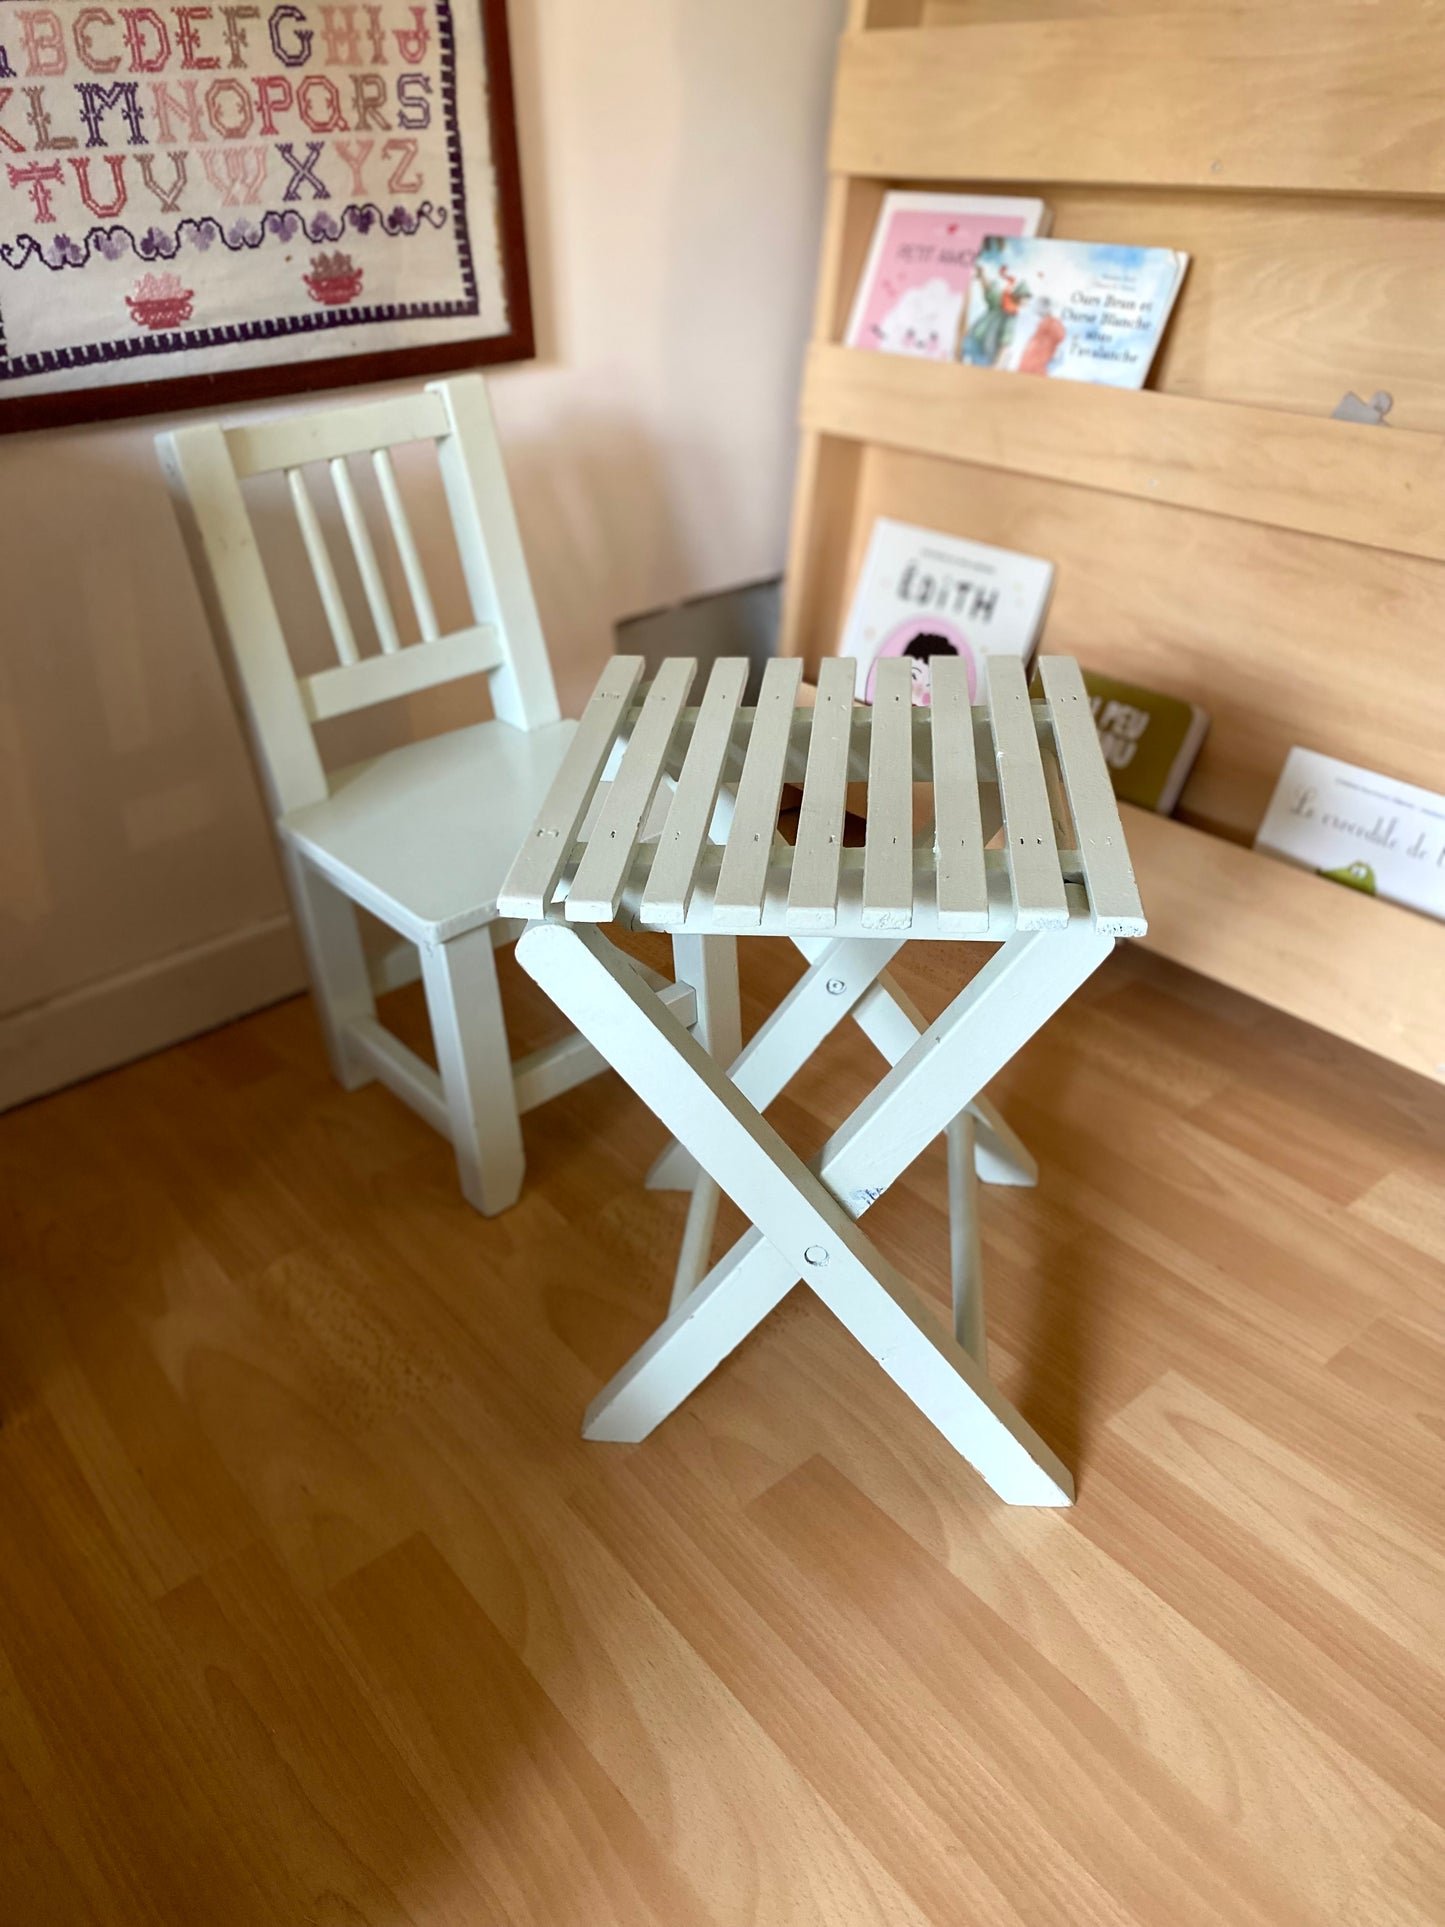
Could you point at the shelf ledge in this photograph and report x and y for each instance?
(1378, 487)
(1366, 970)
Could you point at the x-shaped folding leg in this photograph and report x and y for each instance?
(887, 1017)
(847, 977)
(804, 1215)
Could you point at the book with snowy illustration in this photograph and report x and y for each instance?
(923, 594)
(913, 290)
(1080, 310)
(1370, 832)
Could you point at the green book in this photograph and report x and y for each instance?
(1149, 741)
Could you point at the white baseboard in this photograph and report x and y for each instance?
(120, 1018)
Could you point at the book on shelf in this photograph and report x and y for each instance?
(1356, 827)
(921, 593)
(1076, 310)
(1150, 740)
(915, 284)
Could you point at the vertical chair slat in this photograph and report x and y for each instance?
(813, 892)
(597, 887)
(888, 847)
(1033, 856)
(406, 548)
(366, 564)
(744, 873)
(320, 559)
(958, 822)
(542, 858)
(1108, 872)
(670, 883)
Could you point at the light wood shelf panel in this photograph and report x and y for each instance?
(1221, 536)
(1282, 638)
(1365, 970)
(1380, 489)
(1333, 98)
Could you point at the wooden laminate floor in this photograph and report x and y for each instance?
(314, 1606)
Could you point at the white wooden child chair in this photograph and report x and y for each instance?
(422, 836)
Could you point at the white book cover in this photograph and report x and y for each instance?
(922, 594)
(1371, 832)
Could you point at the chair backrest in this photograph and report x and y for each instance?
(206, 465)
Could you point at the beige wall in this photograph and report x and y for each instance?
(672, 163)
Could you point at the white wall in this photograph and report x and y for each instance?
(672, 170)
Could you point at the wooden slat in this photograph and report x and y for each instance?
(669, 883)
(888, 850)
(380, 679)
(241, 609)
(597, 887)
(338, 621)
(540, 862)
(1033, 858)
(1330, 98)
(1098, 833)
(1003, 920)
(738, 898)
(1364, 969)
(813, 892)
(958, 824)
(406, 548)
(257, 447)
(1288, 471)
(366, 563)
(489, 547)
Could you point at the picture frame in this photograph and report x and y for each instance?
(443, 68)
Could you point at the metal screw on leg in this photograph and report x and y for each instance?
(816, 1255)
(836, 986)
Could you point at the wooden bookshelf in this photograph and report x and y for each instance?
(1217, 535)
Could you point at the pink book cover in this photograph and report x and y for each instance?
(914, 289)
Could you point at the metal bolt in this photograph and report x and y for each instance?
(836, 986)
(816, 1254)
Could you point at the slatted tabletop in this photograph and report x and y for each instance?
(1022, 834)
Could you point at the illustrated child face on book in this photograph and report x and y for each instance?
(922, 321)
(920, 642)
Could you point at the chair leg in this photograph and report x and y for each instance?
(710, 965)
(335, 962)
(474, 1058)
(964, 1242)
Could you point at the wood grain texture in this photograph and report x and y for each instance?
(1290, 300)
(1282, 470)
(1330, 98)
(1285, 936)
(315, 1606)
(1237, 618)
(1232, 554)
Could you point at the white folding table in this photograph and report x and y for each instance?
(1025, 851)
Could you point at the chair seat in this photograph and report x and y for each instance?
(424, 835)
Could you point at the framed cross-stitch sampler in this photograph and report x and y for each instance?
(205, 203)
